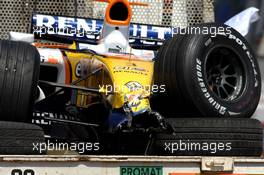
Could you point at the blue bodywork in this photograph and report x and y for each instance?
(88, 30)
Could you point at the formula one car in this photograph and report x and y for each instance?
(115, 77)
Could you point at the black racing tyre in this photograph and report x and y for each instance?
(19, 72)
(21, 138)
(207, 75)
(210, 137)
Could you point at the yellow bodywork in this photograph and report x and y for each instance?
(124, 79)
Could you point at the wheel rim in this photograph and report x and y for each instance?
(225, 73)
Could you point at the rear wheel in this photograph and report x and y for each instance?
(210, 137)
(19, 71)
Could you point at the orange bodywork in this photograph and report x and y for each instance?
(127, 4)
(117, 22)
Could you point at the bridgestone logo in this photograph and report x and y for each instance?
(217, 106)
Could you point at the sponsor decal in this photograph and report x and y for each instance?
(78, 68)
(141, 170)
(48, 59)
(250, 57)
(133, 85)
(134, 100)
(82, 29)
(221, 109)
(128, 69)
(50, 56)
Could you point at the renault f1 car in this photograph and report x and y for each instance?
(119, 77)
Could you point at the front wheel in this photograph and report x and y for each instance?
(208, 75)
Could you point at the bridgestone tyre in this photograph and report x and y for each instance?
(210, 137)
(20, 138)
(19, 73)
(207, 75)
